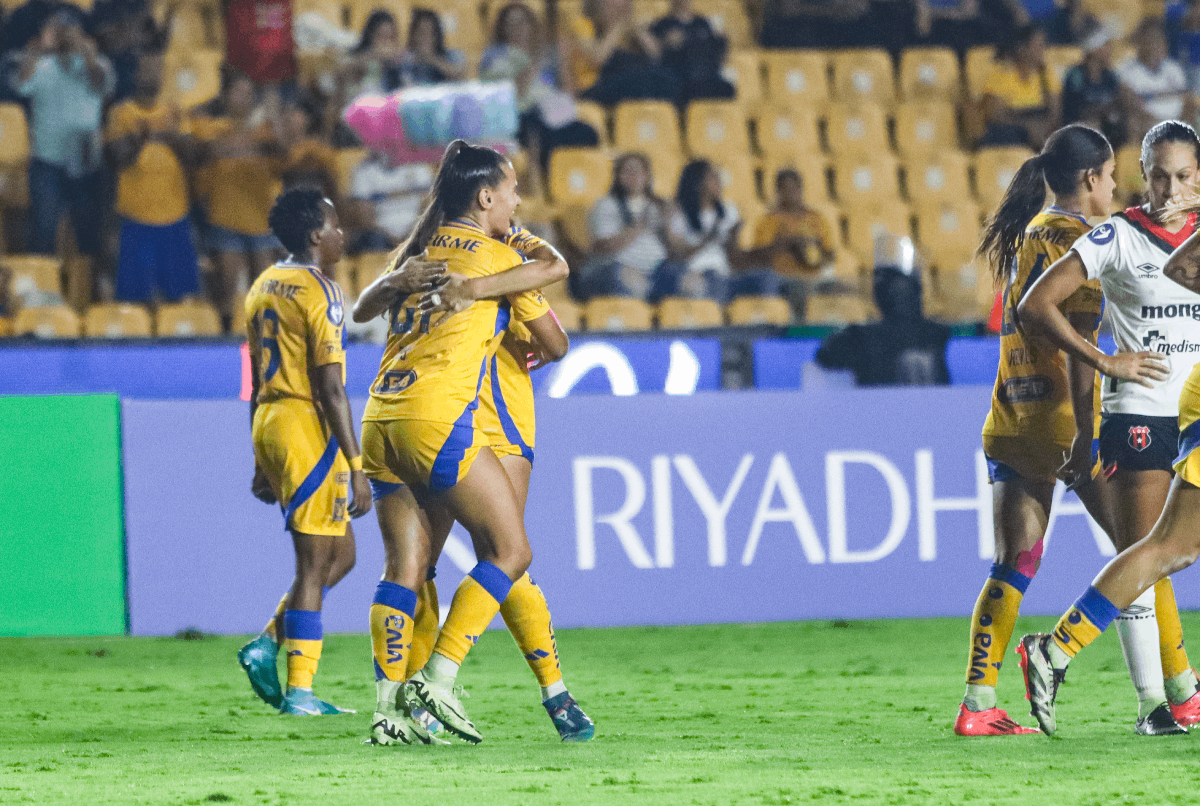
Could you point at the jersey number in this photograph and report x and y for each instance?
(1008, 326)
(400, 327)
(270, 342)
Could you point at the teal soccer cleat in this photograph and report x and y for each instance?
(572, 724)
(258, 659)
(302, 702)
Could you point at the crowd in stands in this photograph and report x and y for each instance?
(692, 170)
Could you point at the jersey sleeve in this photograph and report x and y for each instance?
(326, 325)
(1098, 250)
(523, 240)
(528, 306)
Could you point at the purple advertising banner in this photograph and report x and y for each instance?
(716, 507)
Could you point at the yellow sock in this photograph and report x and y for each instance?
(1084, 622)
(392, 630)
(302, 639)
(528, 619)
(1170, 631)
(475, 604)
(992, 623)
(277, 620)
(425, 628)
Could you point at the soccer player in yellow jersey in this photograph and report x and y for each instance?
(422, 449)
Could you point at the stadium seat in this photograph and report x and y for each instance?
(1061, 58)
(617, 313)
(646, 126)
(47, 322)
(33, 273)
(185, 320)
(964, 293)
(949, 233)
(717, 128)
(117, 320)
(665, 166)
(728, 18)
(6, 327)
(463, 28)
(572, 220)
(594, 115)
(579, 175)
(367, 269)
(347, 160)
(14, 135)
(859, 129)
(680, 313)
(863, 75)
(743, 69)
(647, 12)
(751, 310)
(865, 225)
(994, 170)
(14, 186)
(336, 13)
(785, 131)
(557, 292)
(926, 128)
(977, 69)
(192, 76)
(238, 326)
(929, 74)
(797, 77)
(836, 309)
(343, 275)
(867, 182)
(191, 29)
(569, 314)
(1130, 184)
(944, 176)
(737, 181)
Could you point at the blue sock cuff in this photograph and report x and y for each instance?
(431, 574)
(493, 580)
(396, 597)
(1010, 576)
(303, 625)
(1098, 609)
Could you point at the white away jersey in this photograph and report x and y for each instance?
(1147, 310)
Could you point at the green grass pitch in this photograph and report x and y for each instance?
(854, 712)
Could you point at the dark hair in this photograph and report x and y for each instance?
(1169, 131)
(463, 171)
(424, 14)
(377, 19)
(296, 215)
(618, 192)
(502, 20)
(1068, 155)
(691, 183)
(1021, 37)
(784, 174)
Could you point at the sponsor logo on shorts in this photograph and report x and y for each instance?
(1102, 234)
(341, 478)
(1139, 437)
(394, 381)
(1182, 310)
(339, 510)
(1157, 342)
(1026, 390)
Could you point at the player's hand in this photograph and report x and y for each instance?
(1145, 367)
(360, 492)
(451, 294)
(261, 488)
(416, 274)
(1077, 469)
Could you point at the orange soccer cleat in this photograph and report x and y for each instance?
(992, 722)
(1187, 713)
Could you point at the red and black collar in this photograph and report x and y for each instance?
(1164, 240)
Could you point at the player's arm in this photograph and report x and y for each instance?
(1042, 318)
(331, 392)
(457, 292)
(549, 341)
(1081, 381)
(413, 275)
(1184, 264)
(260, 487)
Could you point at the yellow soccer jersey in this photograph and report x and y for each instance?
(1032, 397)
(434, 374)
(294, 319)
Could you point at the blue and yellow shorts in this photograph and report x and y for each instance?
(1187, 463)
(307, 471)
(435, 456)
(1030, 458)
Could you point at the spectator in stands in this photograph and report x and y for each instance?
(372, 67)
(149, 147)
(904, 348)
(258, 37)
(66, 81)
(1158, 83)
(1183, 26)
(702, 238)
(547, 110)
(1022, 97)
(1092, 93)
(793, 240)
(426, 59)
(311, 160)
(1064, 21)
(124, 29)
(693, 51)
(958, 24)
(387, 201)
(628, 233)
(242, 158)
(613, 58)
(819, 24)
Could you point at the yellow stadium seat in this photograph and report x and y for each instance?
(936, 178)
(865, 225)
(1061, 58)
(863, 75)
(681, 313)
(737, 181)
(463, 28)
(867, 182)
(14, 186)
(994, 170)
(557, 292)
(926, 128)
(1120, 17)
(717, 128)
(116, 320)
(347, 160)
(964, 292)
(836, 309)
(784, 131)
(728, 18)
(594, 115)
(367, 269)
(617, 313)
(743, 69)
(569, 313)
(193, 76)
(579, 175)
(665, 169)
(47, 322)
(751, 310)
(1129, 174)
(14, 134)
(572, 220)
(978, 68)
(186, 320)
(647, 12)
(859, 129)
(343, 275)
(33, 273)
(949, 233)
(797, 77)
(190, 28)
(646, 126)
(929, 74)
(6, 327)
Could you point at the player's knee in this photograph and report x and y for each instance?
(515, 560)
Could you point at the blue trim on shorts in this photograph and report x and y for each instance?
(503, 317)
(998, 471)
(1095, 450)
(1010, 576)
(492, 580)
(397, 597)
(444, 473)
(382, 489)
(312, 482)
(303, 625)
(1189, 440)
(506, 421)
(1098, 609)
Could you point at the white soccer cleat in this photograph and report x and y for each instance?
(444, 704)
